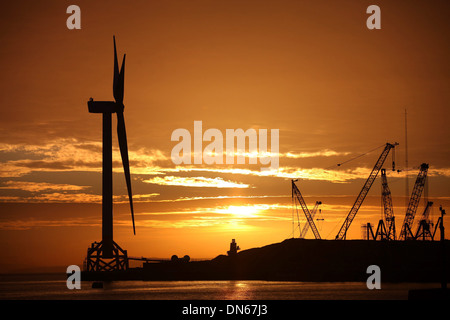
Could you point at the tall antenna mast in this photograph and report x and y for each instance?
(406, 162)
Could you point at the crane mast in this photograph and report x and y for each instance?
(363, 193)
(406, 232)
(302, 202)
(387, 205)
(313, 213)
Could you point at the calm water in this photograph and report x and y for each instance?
(53, 287)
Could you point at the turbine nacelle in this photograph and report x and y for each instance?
(104, 106)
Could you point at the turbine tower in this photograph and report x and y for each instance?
(107, 255)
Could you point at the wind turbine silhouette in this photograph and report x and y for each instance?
(107, 248)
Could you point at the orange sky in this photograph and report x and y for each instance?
(311, 69)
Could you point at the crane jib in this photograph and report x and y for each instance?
(302, 202)
(365, 189)
(414, 202)
(387, 206)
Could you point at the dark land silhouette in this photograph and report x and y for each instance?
(304, 260)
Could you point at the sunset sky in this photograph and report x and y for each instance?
(312, 69)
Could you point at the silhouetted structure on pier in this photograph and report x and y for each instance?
(233, 248)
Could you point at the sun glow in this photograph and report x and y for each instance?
(240, 211)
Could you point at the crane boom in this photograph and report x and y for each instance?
(313, 213)
(305, 210)
(365, 189)
(387, 205)
(414, 202)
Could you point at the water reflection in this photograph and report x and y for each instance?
(237, 290)
(14, 287)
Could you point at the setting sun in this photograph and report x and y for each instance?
(240, 211)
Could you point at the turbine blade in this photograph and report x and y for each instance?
(116, 72)
(121, 82)
(122, 137)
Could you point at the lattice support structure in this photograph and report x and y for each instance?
(381, 232)
(96, 261)
(424, 231)
(425, 225)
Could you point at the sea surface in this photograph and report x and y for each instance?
(53, 287)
